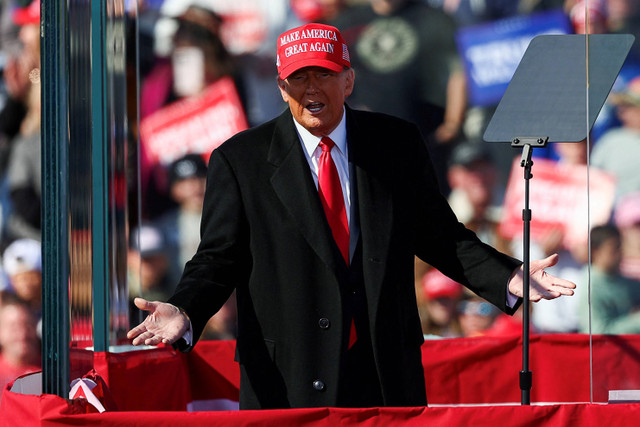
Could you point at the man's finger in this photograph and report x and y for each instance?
(137, 340)
(134, 332)
(562, 283)
(143, 304)
(547, 281)
(155, 340)
(547, 294)
(563, 289)
(549, 261)
(143, 338)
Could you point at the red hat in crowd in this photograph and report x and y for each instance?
(311, 45)
(437, 285)
(27, 15)
(307, 10)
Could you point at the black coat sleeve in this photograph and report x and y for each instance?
(447, 244)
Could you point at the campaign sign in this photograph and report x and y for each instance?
(197, 124)
(558, 199)
(246, 23)
(491, 52)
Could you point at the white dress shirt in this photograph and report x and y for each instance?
(339, 154)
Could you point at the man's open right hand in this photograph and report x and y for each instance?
(164, 324)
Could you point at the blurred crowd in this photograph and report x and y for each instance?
(408, 64)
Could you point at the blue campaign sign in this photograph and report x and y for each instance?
(491, 52)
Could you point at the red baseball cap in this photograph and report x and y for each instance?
(311, 45)
(27, 15)
(437, 285)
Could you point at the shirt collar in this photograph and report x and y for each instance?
(310, 142)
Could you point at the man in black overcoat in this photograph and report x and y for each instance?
(320, 324)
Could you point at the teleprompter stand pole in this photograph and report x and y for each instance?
(527, 145)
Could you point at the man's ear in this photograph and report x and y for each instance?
(282, 85)
(350, 81)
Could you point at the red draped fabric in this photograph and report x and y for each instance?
(153, 387)
(51, 410)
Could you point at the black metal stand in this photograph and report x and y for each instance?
(527, 145)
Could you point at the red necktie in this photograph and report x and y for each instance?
(333, 204)
(332, 199)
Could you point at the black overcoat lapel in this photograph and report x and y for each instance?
(294, 186)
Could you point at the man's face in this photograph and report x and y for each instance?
(609, 255)
(18, 336)
(476, 180)
(189, 193)
(629, 115)
(27, 285)
(316, 96)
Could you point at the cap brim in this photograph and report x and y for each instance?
(312, 62)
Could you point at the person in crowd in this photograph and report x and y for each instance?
(617, 149)
(14, 83)
(19, 342)
(314, 219)
(153, 260)
(181, 225)
(623, 17)
(438, 308)
(407, 62)
(23, 176)
(22, 263)
(472, 178)
(475, 316)
(197, 59)
(21, 51)
(596, 12)
(20, 138)
(626, 217)
(612, 307)
(249, 29)
(148, 265)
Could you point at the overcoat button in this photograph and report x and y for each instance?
(324, 323)
(318, 385)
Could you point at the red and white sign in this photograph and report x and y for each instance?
(246, 23)
(558, 198)
(196, 124)
(243, 32)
